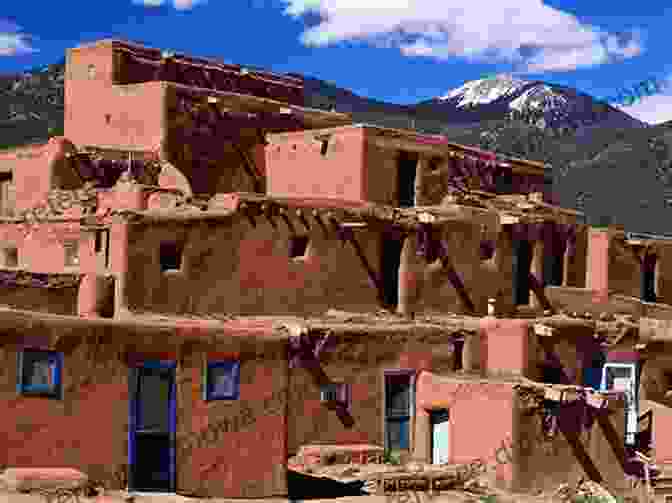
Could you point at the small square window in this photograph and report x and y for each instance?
(71, 249)
(40, 373)
(336, 393)
(11, 257)
(170, 256)
(222, 380)
(298, 246)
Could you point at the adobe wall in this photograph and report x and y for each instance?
(295, 165)
(235, 449)
(98, 113)
(212, 161)
(614, 266)
(624, 270)
(37, 432)
(481, 417)
(662, 422)
(585, 445)
(359, 360)
(232, 267)
(481, 278)
(380, 174)
(36, 170)
(48, 300)
(40, 247)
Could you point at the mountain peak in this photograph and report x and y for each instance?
(541, 103)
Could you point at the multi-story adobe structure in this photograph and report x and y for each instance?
(179, 268)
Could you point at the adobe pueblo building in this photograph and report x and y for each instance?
(203, 278)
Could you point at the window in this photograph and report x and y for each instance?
(222, 380)
(623, 377)
(170, 256)
(336, 392)
(398, 386)
(298, 246)
(40, 373)
(71, 249)
(11, 257)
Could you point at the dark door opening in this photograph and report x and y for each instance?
(407, 164)
(152, 428)
(553, 263)
(648, 279)
(390, 259)
(522, 260)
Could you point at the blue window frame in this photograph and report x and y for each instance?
(221, 380)
(40, 373)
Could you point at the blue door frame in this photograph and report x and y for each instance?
(135, 373)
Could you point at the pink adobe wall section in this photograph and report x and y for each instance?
(296, 167)
(509, 346)
(37, 169)
(102, 114)
(481, 417)
(597, 268)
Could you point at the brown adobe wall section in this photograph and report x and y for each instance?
(482, 279)
(235, 449)
(581, 447)
(359, 361)
(37, 432)
(231, 267)
(295, 166)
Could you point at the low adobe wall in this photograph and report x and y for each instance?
(224, 448)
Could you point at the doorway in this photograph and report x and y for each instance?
(390, 260)
(152, 427)
(440, 421)
(407, 164)
(522, 260)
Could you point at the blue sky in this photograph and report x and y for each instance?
(400, 51)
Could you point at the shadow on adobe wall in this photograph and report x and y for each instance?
(301, 486)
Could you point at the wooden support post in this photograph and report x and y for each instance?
(316, 216)
(537, 288)
(283, 214)
(267, 211)
(246, 210)
(302, 217)
(537, 269)
(369, 270)
(455, 279)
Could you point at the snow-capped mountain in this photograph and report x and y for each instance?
(540, 103)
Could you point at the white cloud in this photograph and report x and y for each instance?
(653, 109)
(13, 41)
(178, 4)
(533, 36)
